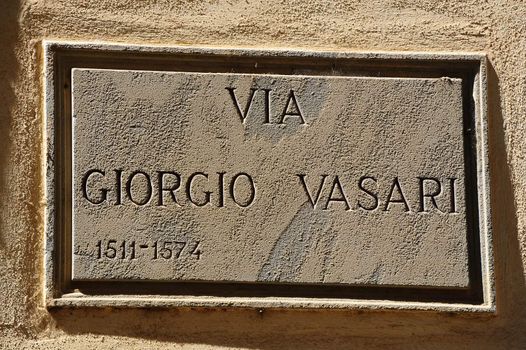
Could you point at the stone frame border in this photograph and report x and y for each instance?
(54, 296)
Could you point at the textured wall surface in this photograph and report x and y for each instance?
(495, 27)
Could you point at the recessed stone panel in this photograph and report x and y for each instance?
(268, 178)
(305, 183)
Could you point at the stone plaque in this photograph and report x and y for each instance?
(280, 183)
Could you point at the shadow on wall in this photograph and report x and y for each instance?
(9, 32)
(511, 289)
(279, 329)
(9, 72)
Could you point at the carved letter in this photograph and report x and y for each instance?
(233, 190)
(312, 201)
(148, 191)
(423, 195)
(267, 105)
(396, 184)
(296, 110)
(453, 195)
(103, 191)
(189, 190)
(341, 198)
(241, 114)
(118, 186)
(221, 188)
(372, 194)
(172, 189)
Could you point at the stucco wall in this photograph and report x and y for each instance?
(497, 28)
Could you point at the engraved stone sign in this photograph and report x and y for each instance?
(268, 182)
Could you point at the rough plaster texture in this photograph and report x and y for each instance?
(346, 127)
(495, 27)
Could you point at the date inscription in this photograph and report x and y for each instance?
(114, 249)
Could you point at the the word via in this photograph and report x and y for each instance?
(290, 110)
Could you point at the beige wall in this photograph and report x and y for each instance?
(495, 27)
